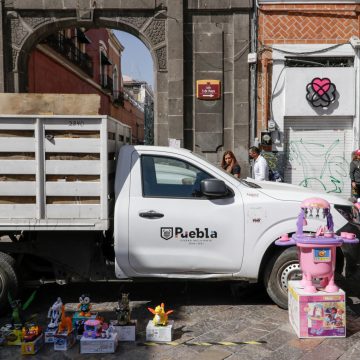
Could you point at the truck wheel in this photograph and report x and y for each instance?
(278, 272)
(8, 283)
(9, 259)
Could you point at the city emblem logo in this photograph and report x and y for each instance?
(166, 233)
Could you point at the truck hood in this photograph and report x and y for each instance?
(289, 192)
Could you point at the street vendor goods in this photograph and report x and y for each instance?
(160, 316)
(123, 312)
(317, 251)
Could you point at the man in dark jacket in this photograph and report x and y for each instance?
(355, 173)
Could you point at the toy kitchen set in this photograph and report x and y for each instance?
(316, 304)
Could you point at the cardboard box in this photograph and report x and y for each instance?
(99, 345)
(159, 333)
(318, 315)
(125, 332)
(49, 336)
(14, 337)
(32, 347)
(64, 341)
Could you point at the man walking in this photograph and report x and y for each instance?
(355, 174)
(260, 168)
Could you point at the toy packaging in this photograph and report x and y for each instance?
(32, 347)
(89, 345)
(125, 332)
(13, 336)
(321, 314)
(64, 341)
(158, 333)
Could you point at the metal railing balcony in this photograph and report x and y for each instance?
(67, 48)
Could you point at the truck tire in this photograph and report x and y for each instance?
(278, 271)
(8, 283)
(9, 259)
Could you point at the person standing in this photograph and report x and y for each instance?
(230, 164)
(261, 167)
(355, 174)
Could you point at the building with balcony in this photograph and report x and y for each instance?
(85, 62)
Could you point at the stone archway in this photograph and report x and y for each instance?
(26, 28)
(189, 40)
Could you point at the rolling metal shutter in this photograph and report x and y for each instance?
(318, 153)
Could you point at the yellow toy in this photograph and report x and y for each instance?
(161, 317)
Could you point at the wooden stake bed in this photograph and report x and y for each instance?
(57, 172)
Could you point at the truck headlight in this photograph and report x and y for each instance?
(350, 213)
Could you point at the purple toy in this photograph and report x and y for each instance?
(317, 252)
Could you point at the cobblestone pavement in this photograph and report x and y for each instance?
(203, 312)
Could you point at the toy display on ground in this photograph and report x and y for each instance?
(64, 337)
(13, 332)
(160, 329)
(316, 315)
(98, 337)
(54, 314)
(317, 308)
(317, 251)
(123, 325)
(84, 313)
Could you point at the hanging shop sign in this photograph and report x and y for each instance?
(321, 92)
(208, 89)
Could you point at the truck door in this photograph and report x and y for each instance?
(173, 229)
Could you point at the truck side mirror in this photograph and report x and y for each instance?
(213, 188)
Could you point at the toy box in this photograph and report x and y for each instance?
(125, 332)
(159, 333)
(78, 323)
(99, 345)
(316, 315)
(14, 337)
(32, 347)
(64, 341)
(49, 336)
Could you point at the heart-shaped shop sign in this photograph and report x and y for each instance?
(321, 86)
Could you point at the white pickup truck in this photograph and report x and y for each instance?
(78, 204)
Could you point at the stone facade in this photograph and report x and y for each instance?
(189, 40)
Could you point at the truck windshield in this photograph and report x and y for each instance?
(243, 182)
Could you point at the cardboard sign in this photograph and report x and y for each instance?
(208, 89)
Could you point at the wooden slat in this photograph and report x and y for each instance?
(72, 178)
(72, 189)
(17, 166)
(84, 167)
(17, 123)
(16, 133)
(17, 211)
(9, 144)
(71, 156)
(72, 134)
(72, 200)
(72, 123)
(73, 145)
(73, 211)
(17, 188)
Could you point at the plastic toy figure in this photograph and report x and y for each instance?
(65, 323)
(54, 314)
(17, 316)
(123, 310)
(161, 317)
(84, 305)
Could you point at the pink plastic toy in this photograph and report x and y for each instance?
(317, 252)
